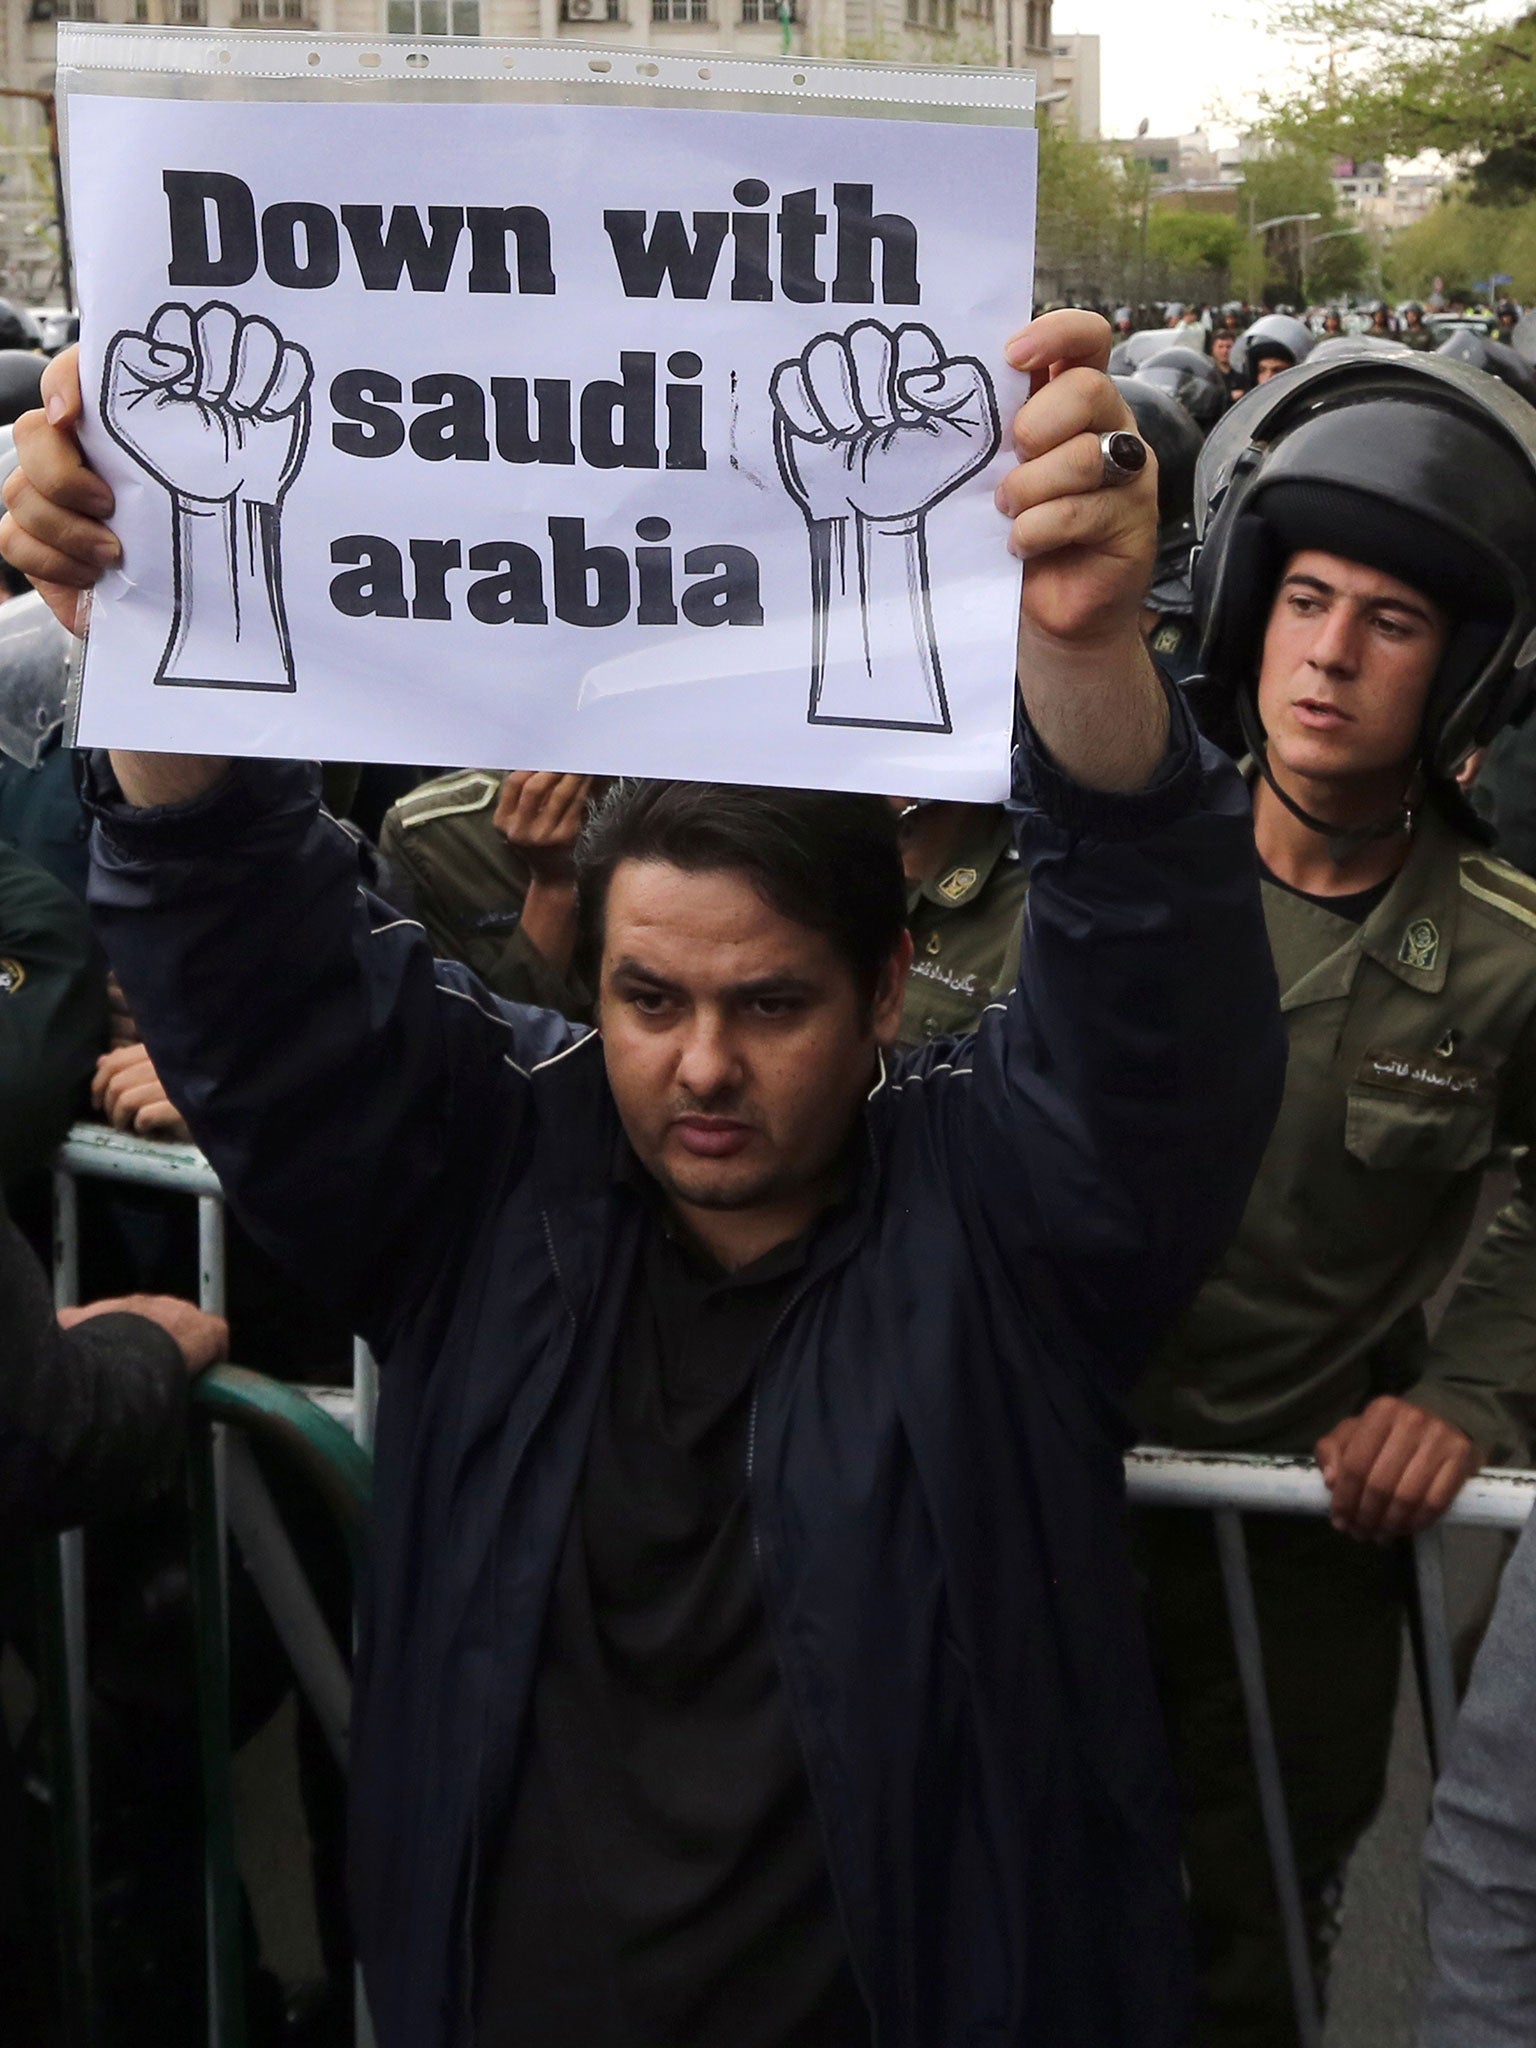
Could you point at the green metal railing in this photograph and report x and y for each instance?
(234, 1414)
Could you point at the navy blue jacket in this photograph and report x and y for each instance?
(935, 1464)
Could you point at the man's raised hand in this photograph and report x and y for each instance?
(1088, 548)
(54, 529)
(1087, 680)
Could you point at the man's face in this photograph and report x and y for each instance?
(1349, 655)
(1270, 366)
(1221, 349)
(738, 1044)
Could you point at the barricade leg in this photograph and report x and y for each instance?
(288, 1597)
(1232, 1552)
(365, 1401)
(61, 1589)
(1439, 1677)
(210, 1600)
(365, 1393)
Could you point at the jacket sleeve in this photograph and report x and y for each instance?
(90, 1419)
(1480, 1856)
(1122, 1098)
(1480, 1372)
(353, 1095)
(53, 1013)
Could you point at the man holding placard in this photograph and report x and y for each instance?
(751, 1658)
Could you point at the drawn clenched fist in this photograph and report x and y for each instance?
(879, 422)
(213, 403)
(871, 429)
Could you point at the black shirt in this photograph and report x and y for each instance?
(663, 1882)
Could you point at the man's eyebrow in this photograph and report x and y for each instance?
(1381, 598)
(786, 984)
(636, 970)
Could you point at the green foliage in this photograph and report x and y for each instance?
(1087, 215)
(1194, 241)
(1462, 241)
(1294, 180)
(1398, 77)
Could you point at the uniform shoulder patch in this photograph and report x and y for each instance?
(448, 796)
(956, 883)
(12, 976)
(1489, 880)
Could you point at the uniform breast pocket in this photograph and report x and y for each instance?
(1390, 1131)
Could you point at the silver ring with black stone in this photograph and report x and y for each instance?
(1123, 456)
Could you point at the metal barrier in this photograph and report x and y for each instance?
(229, 1490)
(1229, 1488)
(226, 1494)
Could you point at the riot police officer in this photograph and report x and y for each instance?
(1366, 592)
(1275, 342)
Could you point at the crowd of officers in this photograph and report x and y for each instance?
(1410, 1006)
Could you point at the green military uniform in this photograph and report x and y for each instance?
(53, 1013)
(1412, 1059)
(448, 865)
(966, 927)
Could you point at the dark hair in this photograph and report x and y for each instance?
(824, 860)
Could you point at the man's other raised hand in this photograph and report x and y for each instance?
(54, 529)
(1088, 550)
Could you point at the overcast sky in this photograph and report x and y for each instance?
(1174, 61)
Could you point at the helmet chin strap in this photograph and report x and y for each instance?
(1342, 842)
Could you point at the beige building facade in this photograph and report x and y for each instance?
(1074, 74)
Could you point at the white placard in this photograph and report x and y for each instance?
(632, 439)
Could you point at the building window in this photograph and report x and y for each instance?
(433, 18)
(767, 10)
(276, 14)
(679, 10)
(938, 15)
(75, 10)
(190, 13)
(592, 10)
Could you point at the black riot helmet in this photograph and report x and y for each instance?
(17, 328)
(1175, 440)
(21, 382)
(1193, 379)
(1496, 357)
(1336, 347)
(1416, 465)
